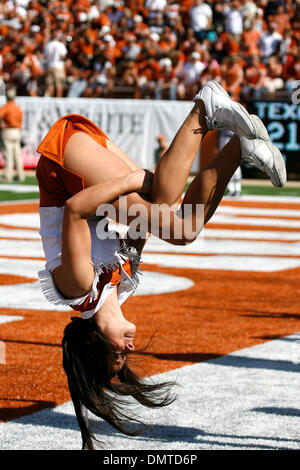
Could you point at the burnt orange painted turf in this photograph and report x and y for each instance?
(223, 312)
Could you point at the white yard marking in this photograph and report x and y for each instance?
(226, 247)
(31, 220)
(261, 222)
(29, 295)
(19, 233)
(258, 211)
(223, 262)
(20, 188)
(259, 234)
(9, 318)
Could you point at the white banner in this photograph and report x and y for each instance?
(134, 125)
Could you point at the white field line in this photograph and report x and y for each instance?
(258, 234)
(19, 188)
(260, 222)
(234, 210)
(223, 262)
(253, 198)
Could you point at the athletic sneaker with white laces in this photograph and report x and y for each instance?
(224, 113)
(264, 155)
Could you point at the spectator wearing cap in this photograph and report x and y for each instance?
(109, 48)
(189, 76)
(11, 117)
(55, 52)
(139, 26)
(166, 86)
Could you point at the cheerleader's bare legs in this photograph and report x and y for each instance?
(101, 165)
(109, 173)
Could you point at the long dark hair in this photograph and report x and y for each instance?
(86, 354)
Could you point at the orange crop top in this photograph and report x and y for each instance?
(56, 183)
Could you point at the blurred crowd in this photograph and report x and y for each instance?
(154, 49)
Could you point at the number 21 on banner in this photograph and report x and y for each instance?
(277, 130)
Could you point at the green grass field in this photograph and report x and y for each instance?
(271, 191)
(18, 194)
(259, 190)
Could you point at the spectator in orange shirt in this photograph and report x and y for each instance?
(254, 79)
(232, 76)
(249, 40)
(11, 123)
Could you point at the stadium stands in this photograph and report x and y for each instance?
(156, 49)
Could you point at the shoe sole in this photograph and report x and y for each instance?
(279, 165)
(255, 127)
(259, 127)
(278, 178)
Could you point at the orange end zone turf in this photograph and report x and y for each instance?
(223, 312)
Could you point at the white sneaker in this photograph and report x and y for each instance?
(224, 113)
(264, 155)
